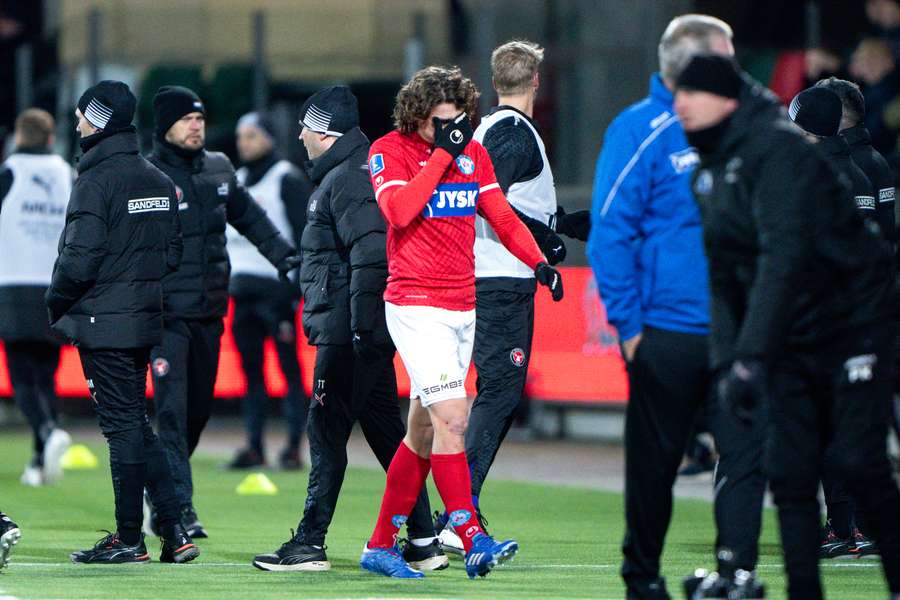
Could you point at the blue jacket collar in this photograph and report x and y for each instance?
(659, 91)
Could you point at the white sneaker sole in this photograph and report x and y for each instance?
(313, 565)
(56, 446)
(434, 563)
(7, 541)
(32, 477)
(451, 543)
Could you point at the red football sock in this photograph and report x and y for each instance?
(405, 478)
(454, 484)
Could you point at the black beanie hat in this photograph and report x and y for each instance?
(109, 105)
(713, 73)
(172, 102)
(817, 110)
(259, 120)
(332, 111)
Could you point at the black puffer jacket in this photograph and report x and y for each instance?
(121, 238)
(878, 172)
(344, 269)
(209, 196)
(791, 261)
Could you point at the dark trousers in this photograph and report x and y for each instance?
(346, 390)
(504, 328)
(32, 371)
(829, 412)
(117, 380)
(184, 374)
(255, 319)
(669, 382)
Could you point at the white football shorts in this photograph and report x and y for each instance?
(435, 345)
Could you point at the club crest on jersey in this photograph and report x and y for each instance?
(452, 200)
(465, 164)
(376, 164)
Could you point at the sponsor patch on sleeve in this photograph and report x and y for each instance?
(886, 194)
(376, 164)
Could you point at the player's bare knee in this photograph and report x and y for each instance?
(458, 425)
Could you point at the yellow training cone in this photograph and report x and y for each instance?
(79, 457)
(257, 484)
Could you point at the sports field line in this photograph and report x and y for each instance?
(197, 565)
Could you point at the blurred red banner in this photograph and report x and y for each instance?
(575, 355)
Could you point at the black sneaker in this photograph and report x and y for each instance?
(743, 585)
(178, 549)
(482, 521)
(290, 460)
(9, 537)
(247, 458)
(834, 547)
(111, 550)
(865, 547)
(192, 525)
(424, 558)
(294, 555)
(648, 590)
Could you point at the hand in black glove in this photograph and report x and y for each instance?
(742, 387)
(287, 264)
(550, 277)
(553, 247)
(453, 136)
(365, 348)
(575, 225)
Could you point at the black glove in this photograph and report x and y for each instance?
(553, 247)
(286, 265)
(365, 348)
(574, 225)
(742, 387)
(452, 136)
(550, 277)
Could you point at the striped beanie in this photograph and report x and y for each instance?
(109, 105)
(333, 111)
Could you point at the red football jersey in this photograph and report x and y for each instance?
(431, 261)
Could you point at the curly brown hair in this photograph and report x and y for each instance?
(428, 88)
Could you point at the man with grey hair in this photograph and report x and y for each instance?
(646, 251)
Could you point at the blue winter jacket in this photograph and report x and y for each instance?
(646, 242)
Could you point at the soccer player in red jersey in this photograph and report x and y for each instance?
(430, 179)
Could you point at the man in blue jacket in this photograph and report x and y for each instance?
(646, 250)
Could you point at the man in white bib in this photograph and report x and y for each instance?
(34, 191)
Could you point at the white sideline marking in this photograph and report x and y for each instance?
(505, 567)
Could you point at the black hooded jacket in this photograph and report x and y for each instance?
(120, 240)
(209, 197)
(344, 269)
(791, 261)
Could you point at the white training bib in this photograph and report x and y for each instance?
(535, 197)
(32, 217)
(245, 258)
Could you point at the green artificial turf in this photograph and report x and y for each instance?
(569, 541)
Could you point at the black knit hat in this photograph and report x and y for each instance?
(719, 75)
(172, 102)
(259, 120)
(332, 111)
(109, 105)
(817, 110)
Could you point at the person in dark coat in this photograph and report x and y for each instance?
(209, 197)
(343, 276)
(802, 310)
(120, 239)
(35, 185)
